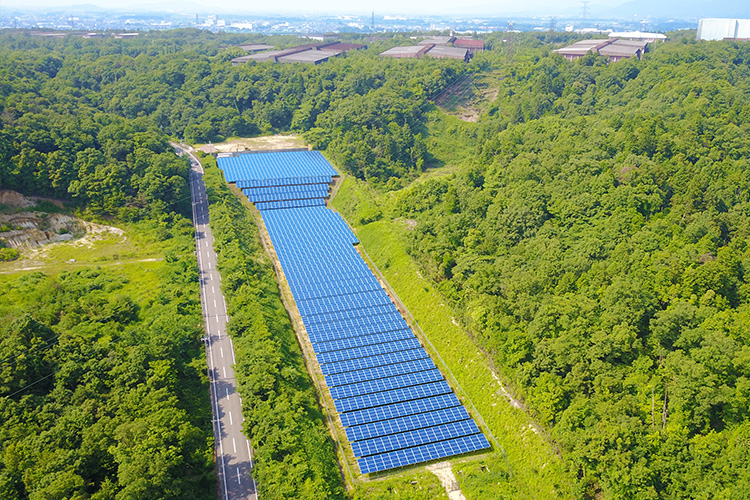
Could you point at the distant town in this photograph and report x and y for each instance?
(83, 19)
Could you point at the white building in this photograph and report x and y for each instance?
(638, 35)
(719, 29)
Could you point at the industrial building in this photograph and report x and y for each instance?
(308, 53)
(473, 46)
(443, 52)
(441, 47)
(723, 29)
(437, 40)
(408, 52)
(256, 47)
(614, 49)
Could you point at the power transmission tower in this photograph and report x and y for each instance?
(585, 11)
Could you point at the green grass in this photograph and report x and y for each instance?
(141, 244)
(532, 469)
(449, 139)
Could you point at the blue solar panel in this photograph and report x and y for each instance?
(385, 384)
(359, 325)
(387, 359)
(284, 189)
(283, 181)
(280, 164)
(417, 437)
(351, 302)
(395, 405)
(389, 397)
(368, 350)
(276, 205)
(360, 340)
(354, 313)
(374, 328)
(407, 423)
(422, 453)
(418, 365)
(336, 289)
(382, 413)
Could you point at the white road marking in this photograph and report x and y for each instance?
(234, 445)
(227, 393)
(209, 265)
(221, 349)
(230, 418)
(213, 290)
(239, 479)
(225, 371)
(214, 302)
(250, 455)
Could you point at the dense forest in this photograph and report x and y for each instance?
(368, 112)
(590, 232)
(596, 244)
(103, 390)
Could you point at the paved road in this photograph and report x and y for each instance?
(233, 451)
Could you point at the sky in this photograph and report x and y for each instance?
(381, 7)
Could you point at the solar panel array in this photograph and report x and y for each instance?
(279, 180)
(393, 402)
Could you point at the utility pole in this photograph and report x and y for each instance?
(552, 23)
(372, 24)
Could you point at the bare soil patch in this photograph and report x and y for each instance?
(271, 142)
(469, 96)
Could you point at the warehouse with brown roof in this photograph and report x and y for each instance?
(614, 49)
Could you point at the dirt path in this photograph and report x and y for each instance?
(444, 472)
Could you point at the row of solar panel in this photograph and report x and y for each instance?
(292, 195)
(276, 165)
(284, 230)
(367, 350)
(286, 189)
(406, 423)
(276, 205)
(336, 289)
(283, 181)
(432, 451)
(375, 368)
(417, 437)
(388, 383)
(318, 264)
(353, 327)
(365, 338)
(418, 364)
(362, 366)
(321, 305)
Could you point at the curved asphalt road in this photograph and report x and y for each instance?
(233, 452)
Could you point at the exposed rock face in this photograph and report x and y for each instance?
(31, 229)
(22, 227)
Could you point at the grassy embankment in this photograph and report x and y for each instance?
(532, 469)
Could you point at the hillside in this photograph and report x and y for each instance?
(576, 252)
(595, 246)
